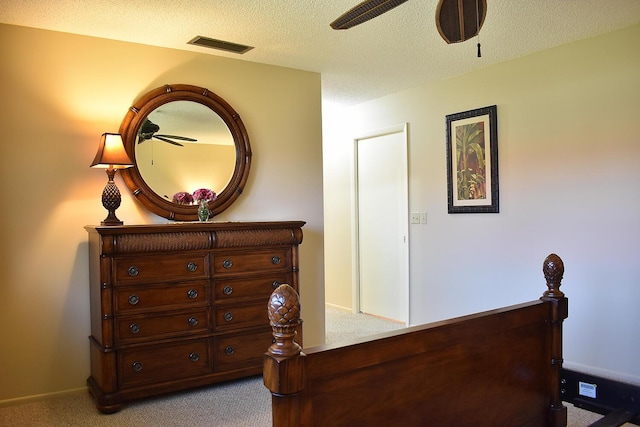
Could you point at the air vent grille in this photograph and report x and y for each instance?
(220, 45)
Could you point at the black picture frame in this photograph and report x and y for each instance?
(472, 161)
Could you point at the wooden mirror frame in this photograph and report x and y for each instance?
(180, 92)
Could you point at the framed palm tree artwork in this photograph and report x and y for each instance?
(472, 161)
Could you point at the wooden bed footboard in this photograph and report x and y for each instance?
(496, 368)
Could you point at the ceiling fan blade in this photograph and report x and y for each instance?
(168, 140)
(181, 138)
(460, 20)
(363, 12)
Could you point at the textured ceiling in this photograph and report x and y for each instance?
(395, 51)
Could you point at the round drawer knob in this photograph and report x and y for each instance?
(229, 350)
(134, 328)
(192, 266)
(228, 316)
(192, 293)
(275, 260)
(134, 299)
(133, 271)
(193, 321)
(137, 366)
(194, 357)
(228, 290)
(227, 263)
(276, 284)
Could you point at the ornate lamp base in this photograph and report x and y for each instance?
(111, 199)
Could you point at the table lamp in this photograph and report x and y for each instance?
(111, 156)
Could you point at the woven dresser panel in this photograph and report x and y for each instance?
(183, 241)
(238, 238)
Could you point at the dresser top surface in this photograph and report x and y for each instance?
(195, 226)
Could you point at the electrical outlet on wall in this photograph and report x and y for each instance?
(587, 389)
(415, 218)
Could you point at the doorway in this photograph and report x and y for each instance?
(382, 224)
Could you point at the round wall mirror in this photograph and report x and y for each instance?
(183, 138)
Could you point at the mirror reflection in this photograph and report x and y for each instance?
(184, 146)
(183, 138)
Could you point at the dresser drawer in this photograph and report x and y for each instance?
(141, 298)
(253, 287)
(167, 362)
(241, 316)
(241, 351)
(160, 268)
(247, 262)
(145, 327)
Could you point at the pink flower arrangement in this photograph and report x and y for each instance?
(182, 198)
(200, 195)
(204, 194)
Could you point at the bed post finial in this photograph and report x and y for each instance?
(283, 368)
(284, 316)
(553, 269)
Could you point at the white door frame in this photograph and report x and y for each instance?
(400, 128)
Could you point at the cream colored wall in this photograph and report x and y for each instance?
(569, 147)
(59, 93)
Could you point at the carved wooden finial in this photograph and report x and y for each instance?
(284, 316)
(553, 269)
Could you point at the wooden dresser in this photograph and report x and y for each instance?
(181, 305)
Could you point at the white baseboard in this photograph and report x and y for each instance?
(39, 397)
(339, 307)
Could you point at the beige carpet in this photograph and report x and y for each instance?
(244, 403)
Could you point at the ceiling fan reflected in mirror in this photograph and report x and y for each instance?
(457, 20)
(148, 130)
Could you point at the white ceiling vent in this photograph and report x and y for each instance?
(220, 45)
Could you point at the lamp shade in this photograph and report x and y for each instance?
(111, 153)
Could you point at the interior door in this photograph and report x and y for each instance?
(382, 224)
